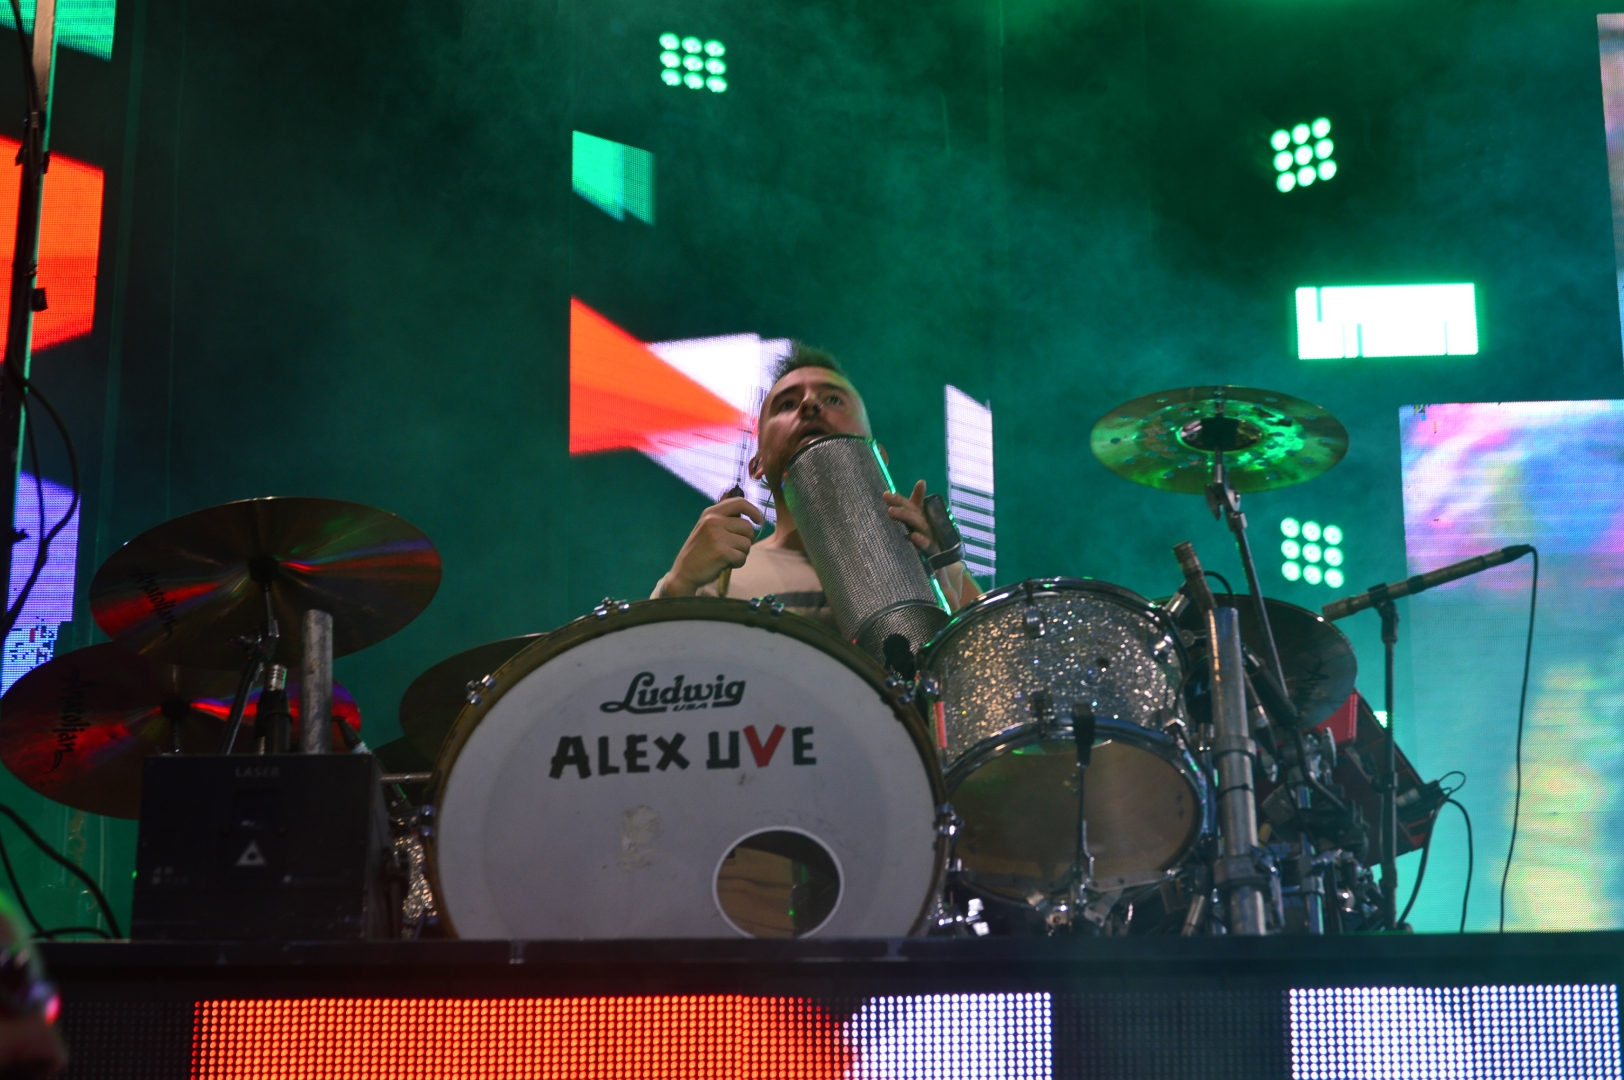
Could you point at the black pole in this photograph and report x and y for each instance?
(26, 296)
(1389, 778)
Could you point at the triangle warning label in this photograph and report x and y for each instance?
(252, 856)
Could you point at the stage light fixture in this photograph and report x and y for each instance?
(691, 62)
(1291, 571)
(1385, 320)
(1311, 574)
(1290, 527)
(1296, 156)
(1314, 559)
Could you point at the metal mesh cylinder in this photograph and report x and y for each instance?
(871, 573)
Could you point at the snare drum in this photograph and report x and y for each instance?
(1007, 675)
(688, 768)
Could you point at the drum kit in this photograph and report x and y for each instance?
(1060, 756)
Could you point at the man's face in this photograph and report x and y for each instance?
(807, 403)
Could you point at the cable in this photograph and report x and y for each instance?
(1522, 703)
(52, 935)
(1420, 871)
(1465, 899)
(17, 889)
(1228, 588)
(67, 864)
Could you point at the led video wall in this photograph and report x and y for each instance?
(1393, 1033)
(1478, 477)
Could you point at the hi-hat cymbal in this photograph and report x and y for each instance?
(1316, 657)
(1269, 440)
(183, 592)
(78, 729)
(431, 704)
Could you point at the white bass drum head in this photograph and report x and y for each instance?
(688, 768)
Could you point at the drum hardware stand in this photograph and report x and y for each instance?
(1224, 501)
(1388, 785)
(1240, 873)
(260, 651)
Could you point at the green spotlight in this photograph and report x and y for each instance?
(1290, 549)
(1333, 578)
(693, 81)
(669, 41)
(1311, 574)
(1298, 149)
(691, 45)
(1311, 552)
(1283, 161)
(1304, 155)
(716, 67)
(693, 63)
(1291, 571)
(1299, 134)
(1327, 169)
(671, 78)
(1332, 534)
(1305, 176)
(1333, 556)
(1323, 149)
(670, 60)
(717, 84)
(715, 48)
(1322, 128)
(1290, 527)
(1280, 139)
(1285, 181)
(1311, 530)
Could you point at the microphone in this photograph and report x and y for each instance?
(1195, 580)
(1341, 609)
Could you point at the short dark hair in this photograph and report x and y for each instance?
(802, 355)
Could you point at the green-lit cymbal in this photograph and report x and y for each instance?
(1269, 440)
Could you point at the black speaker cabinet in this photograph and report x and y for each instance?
(291, 847)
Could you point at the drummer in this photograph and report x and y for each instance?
(810, 397)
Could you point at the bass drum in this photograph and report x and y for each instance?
(688, 768)
(1008, 675)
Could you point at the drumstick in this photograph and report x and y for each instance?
(734, 492)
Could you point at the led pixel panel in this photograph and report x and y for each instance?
(701, 1037)
(1386, 320)
(970, 480)
(1478, 477)
(32, 640)
(1455, 1032)
(616, 178)
(83, 25)
(69, 241)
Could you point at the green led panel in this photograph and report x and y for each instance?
(85, 25)
(688, 61)
(616, 178)
(1386, 320)
(1302, 155)
(1313, 553)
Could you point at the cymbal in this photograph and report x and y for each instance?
(184, 591)
(1316, 657)
(431, 704)
(77, 729)
(1269, 440)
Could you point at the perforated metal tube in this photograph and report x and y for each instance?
(872, 574)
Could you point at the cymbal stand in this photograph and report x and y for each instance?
(259, 653)
(1389, 768)
(1224, 501)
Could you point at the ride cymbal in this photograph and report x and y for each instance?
(79, 728)
(1269, 440)
(1316, 657)
(431, 704)
(185, 591)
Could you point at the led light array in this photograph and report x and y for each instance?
(1303, 155)
(1318, 550)
(690, 62)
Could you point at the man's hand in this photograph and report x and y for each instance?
(721, 539)
(911, 512)
(959, 587)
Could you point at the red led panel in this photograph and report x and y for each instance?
(69, 239)
(622, 395)
(602, 1038)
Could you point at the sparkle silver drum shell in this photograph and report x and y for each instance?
(697, 767)
(1008, 675)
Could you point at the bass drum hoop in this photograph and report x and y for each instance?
(622, 615)
(1160, 744)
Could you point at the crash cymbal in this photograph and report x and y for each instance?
(77, 729)
(183, 592)
(1317, 657)
(1269, 440)
(431, 704)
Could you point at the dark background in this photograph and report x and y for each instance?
(339, 243)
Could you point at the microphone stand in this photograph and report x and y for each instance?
(1224, 501)
(1389, 778)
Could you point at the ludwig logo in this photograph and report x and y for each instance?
(642, 696)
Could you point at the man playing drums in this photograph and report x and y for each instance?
(810, 397)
